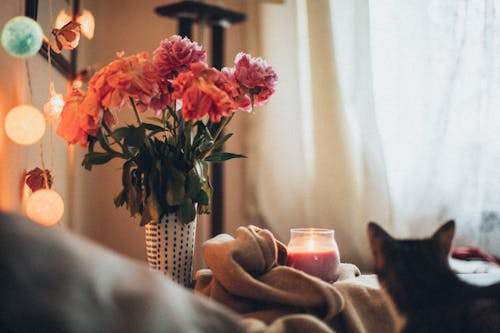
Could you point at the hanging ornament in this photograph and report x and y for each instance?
(85, 19)
(24, 124)
(52, 109)
(37, 179)
(45, 207)
(22, 37)
(67, 37)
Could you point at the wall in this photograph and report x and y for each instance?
(14, 91)
(129, 26)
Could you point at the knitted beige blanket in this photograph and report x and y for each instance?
(247, 274)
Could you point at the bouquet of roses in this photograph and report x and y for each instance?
(181, 106)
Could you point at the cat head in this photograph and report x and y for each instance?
(406, 266)
(384, 246)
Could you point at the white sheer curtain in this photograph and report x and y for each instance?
(436, 83)
(386, 110)
(315, 158)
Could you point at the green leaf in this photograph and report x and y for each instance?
(132, 183)
(120, 133)
(221, 141)
(222, 156)
(201, 169)
(175, 186)
(152, 127)
(193, 184)
(205, 146)
(214, 127)
(121, 198)
(92, 141)
(131, 151)
(126, 180)
(145, 218)
(202, 198)
(200, 130)
(103, 141)
(175, 193)
(208, 132)
(135, 136)
(172, 113)
(187, 211)
(95, 158)
(152, 207)
(188, 133)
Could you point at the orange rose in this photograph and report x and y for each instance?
(134, 76)
(200, 95)
(69, 127)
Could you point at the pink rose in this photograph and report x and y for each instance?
(228, 83)
(175, 54)
(256, 75)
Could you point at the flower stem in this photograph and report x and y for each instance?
(139, 120)
(137, 115)
(225, 122)
(221, 128)
(110, 133)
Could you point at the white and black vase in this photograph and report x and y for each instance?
(170, 248)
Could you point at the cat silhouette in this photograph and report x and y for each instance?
(424, 294)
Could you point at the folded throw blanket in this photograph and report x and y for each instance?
(247, 273)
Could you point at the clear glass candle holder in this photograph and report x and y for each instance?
(314, 251)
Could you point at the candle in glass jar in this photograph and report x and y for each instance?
(315, 252)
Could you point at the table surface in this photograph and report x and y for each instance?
(480, 279)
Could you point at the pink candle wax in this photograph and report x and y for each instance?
(322, 263)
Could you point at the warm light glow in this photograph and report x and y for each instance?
(86, 20)
(24, 124)
(310, 244)
(52, 109)
(45, 207)
(77, 84)
(62, 19)
(87, 24)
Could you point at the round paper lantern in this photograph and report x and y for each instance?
(22, 37)
(45, 207)
(24, 124)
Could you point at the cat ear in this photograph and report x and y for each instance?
(377, 236)
(444, 236)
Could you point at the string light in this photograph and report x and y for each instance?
(22, 37)
(45, 207)
(24, 124)
(52, 109)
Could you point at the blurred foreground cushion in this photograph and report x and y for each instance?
(54, 281)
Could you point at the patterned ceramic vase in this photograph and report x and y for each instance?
(170, 248)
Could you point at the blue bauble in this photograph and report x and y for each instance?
(22, 37)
